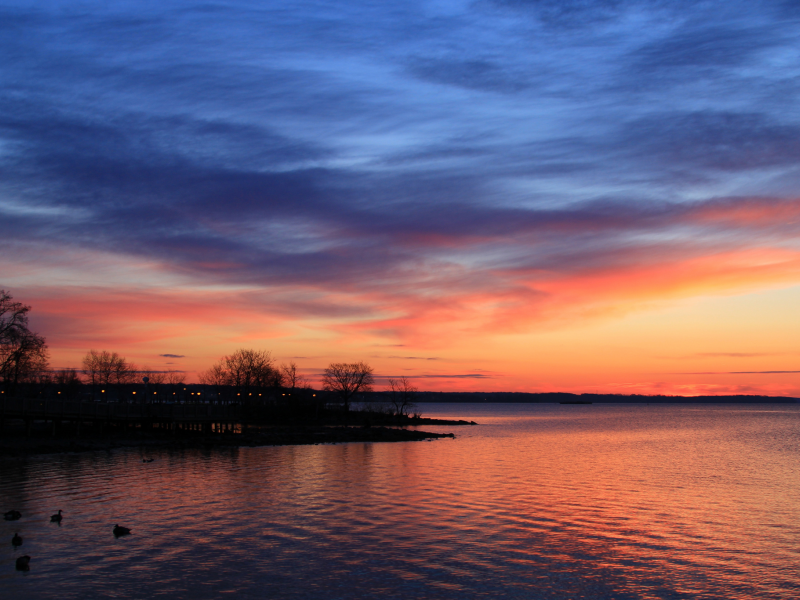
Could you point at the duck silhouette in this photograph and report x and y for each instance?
(118, 531)
(56, 518)
(16, 541)
(12, 515)
(23, 563)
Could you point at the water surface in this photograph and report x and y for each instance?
(538, 501)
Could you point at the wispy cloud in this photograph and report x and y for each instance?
(396, 178)
(734, 354)
(453, 376)
(740, 373)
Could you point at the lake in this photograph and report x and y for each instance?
(537, 501)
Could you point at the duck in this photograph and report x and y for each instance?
(16, 541)
(12, 515)
(56, 518)
(23, 563)
(118, 530)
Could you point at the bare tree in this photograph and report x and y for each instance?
(213, 376)
(94, 367)
(154, 377)
(154, 382)
(249, 369)
(23, 354)
(244, 371)
(175, 377)
(106, 368)
(403, 394)
(291, 378)
(176, 381)
(348, 379)
(68, 382)
(123, 371)
(13, 316)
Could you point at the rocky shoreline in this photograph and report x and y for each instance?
(12, 446)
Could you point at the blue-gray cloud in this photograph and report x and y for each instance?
(352, 145)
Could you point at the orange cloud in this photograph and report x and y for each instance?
(439, 304)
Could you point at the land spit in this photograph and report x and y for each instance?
(17, 443)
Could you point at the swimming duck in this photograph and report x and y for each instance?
(118, 531)
(16, 541)
(12, 515)
(56, 518)
(22, 563)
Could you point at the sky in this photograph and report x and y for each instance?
(541, 195)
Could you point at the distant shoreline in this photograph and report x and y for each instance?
(567, 398)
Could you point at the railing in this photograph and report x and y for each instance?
(27, 408)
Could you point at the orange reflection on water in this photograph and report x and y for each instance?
(537, 501)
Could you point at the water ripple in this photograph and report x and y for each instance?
(540, 501)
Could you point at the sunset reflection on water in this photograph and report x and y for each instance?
(538, 501)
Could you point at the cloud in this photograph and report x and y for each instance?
(173, 355)
(734, 354)
(569, 13)
(741, 373)
(473, 74)
(420, 175)
(452, 376)
(694, 45)
(704, 389)
(588, 261)
(713, 139)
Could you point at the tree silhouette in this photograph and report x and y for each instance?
(403, 394)
(348, 379)
(106, 368)
(23, 354)
(68, 382)
(290, 378)
(244, 370)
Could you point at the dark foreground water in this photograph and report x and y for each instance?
(539, 501)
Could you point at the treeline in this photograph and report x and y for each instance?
(248, 377)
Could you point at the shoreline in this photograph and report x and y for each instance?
(19, 445)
